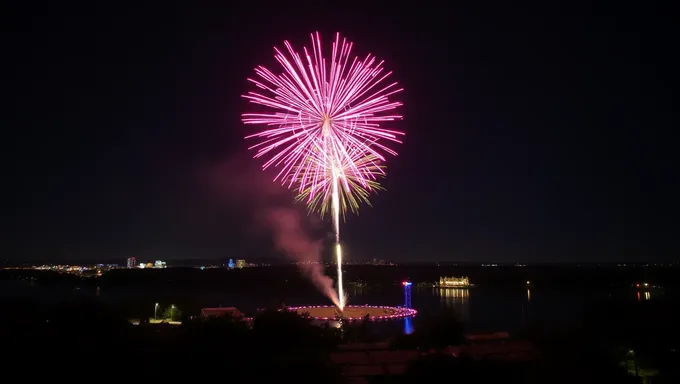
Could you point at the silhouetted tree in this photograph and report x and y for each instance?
(357, 331)
(172, 313)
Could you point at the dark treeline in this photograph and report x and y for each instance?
(93, 335)
(84, 339)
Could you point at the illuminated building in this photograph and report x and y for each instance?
(231, 264)
(240, 263)
(454, 282)
(159, 264)
(131, 262)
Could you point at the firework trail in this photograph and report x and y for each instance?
(323, 131)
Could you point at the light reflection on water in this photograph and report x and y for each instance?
(457, 299)
(491, 309)
(482, 308)
(643, 296)
(408, 326)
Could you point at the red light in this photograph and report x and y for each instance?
(403, 283)
(637, 285)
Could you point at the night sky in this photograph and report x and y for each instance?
(535, 132)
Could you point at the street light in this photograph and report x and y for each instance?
(155, 311)
(172, 312)
(632, 354)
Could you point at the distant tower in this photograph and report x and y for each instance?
(231, 264)
(407, 294)
(131, 262)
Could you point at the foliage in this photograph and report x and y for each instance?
(90, 333)
(172, 313)
(87, 331)
(301, 333)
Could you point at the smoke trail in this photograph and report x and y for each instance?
(245, 187)
(291, 239)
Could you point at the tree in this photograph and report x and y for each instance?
(357, 332)
(172, 313)
(287, 341)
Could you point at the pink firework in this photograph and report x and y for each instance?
(323, 120)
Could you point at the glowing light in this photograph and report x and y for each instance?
(323, 119)
(323, 124)
(406, 283)
(454, 281)
(408, 327)
(395, 312)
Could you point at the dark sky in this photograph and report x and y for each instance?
(535, 131)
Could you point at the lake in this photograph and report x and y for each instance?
(501, 301)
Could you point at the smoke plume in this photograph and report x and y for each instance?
(290, 238)
(243, 186)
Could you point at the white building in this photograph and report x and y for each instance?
(454, 282)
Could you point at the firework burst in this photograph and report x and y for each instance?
(323, 127)
(323, 121)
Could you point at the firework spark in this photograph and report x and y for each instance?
(323, 130)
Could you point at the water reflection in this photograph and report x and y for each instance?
(408, 326)
(528, 294)
(457, 299)
(644, 296)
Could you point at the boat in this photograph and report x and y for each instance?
(454, 282)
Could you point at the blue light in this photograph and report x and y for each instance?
(408, 326)
(407, 294)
